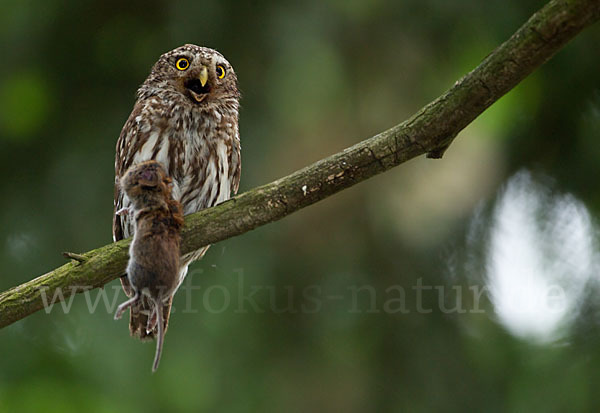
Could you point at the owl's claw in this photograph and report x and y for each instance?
(123, 211)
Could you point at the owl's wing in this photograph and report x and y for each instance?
(127, 146)
(125, 149)
(117, 228)
(235, 164)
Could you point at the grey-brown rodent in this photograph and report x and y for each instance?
(153, 268)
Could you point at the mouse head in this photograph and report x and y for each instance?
(147, 179)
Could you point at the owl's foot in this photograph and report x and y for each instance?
(124, 211)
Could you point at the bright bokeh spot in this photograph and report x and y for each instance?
(541, 254)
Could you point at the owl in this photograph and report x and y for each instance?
(185, 117)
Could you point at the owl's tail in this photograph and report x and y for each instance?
(141, 310)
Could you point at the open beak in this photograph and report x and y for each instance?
(198, 86)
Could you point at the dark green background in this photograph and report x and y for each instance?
(316, 76)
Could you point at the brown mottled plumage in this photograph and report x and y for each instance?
(185, 117)
(153, 268)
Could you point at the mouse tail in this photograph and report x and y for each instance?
(161, 335)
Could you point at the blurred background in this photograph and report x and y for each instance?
(463, 283)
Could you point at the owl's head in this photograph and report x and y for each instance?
(202, 75)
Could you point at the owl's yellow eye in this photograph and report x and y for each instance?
(182, 63)
(220, 72)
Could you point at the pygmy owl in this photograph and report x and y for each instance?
(186, 118)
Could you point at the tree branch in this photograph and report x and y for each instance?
(429, 131)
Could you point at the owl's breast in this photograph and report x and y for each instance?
(195, 150)
(204, 182)
(199, 164)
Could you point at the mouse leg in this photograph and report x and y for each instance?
(121, 309)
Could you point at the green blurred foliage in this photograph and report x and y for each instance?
(316, 76)
(25, 105)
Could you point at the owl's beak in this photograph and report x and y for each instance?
(197, 85)
(203, 76)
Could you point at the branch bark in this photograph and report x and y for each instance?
(430, 131)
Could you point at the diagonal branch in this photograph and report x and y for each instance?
(429, 131)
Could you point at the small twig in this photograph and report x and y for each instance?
(76, 257)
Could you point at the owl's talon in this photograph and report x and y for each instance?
(123, 211)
